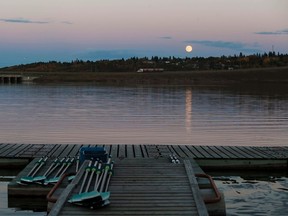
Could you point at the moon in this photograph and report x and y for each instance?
(188, 48)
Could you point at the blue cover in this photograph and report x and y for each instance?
(93, 153)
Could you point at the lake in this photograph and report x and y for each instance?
(89, 114)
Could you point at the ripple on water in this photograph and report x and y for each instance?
(257, 197)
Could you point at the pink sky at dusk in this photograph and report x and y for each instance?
(64, 30)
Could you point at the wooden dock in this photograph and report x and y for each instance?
(33, 196)
(130, 158)
(206, 156)
(142, 187)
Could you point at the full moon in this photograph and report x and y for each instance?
(188, 48)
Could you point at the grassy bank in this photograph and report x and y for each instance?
(260, 75)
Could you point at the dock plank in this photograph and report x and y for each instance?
(225, 152)
(220, 154)
(66, 151)
(239, 152)
(55, 151)
(75, 151)
(2, 145)
(249, 151)
(7, 149)
(232, 154)
(144, 151)
(210, 152)
(114, 151)
(15, 150)
(61, 150)
(195, 151)
(256, 151)
(121, 151)
(187, 151)
(138, 152)
(21, 148)
(30, 151)
(163, 150)
(130, 151)
(276, 152)
(203, 151)
(260, 151)
(152, 151)
(178, 151)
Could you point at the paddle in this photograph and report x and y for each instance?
(63, 168)
(95, 197)
(93, 170)
(105, 200)
(98, 177)
(33, 171)
(70, 178)
(52, 167)
(81, 196)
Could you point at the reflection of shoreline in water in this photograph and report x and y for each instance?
(188, 110)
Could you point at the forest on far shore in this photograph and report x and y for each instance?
(170, 63)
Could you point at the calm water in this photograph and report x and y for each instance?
(254, 195)
(143, 115)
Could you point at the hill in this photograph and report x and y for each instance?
(166, 63)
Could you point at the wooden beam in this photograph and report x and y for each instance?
(202, 211)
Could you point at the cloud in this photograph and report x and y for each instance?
(67, 22)
(21, 20)
(279, 32)
(238, 46)
(166, 37)
(107, 54)
(219, 44)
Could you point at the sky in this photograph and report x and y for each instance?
(66, 30)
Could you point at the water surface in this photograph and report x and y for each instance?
(255, 196)
(143, 115)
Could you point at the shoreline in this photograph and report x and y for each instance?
(274, 75)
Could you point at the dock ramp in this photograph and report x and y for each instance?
(144, 186)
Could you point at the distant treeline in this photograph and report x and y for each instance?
(240, 61)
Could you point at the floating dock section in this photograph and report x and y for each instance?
(143, 187)
(212, 157)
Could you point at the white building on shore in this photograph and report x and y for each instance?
(147, 70)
